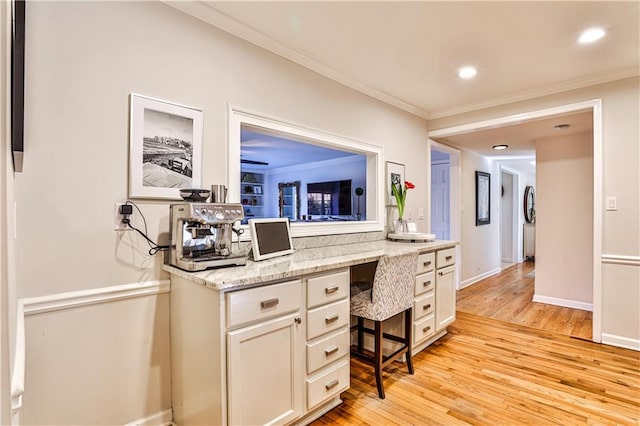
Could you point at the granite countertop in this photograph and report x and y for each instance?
(302, 262)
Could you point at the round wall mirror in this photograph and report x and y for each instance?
(529, 204)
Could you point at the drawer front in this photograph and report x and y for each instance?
(426, 262)
(424, 305)
(263, 302)
(327, 318)
(425, 282)
(328, 383)
(446, 257)
(324, 351)
(327, 288)
(424, 328)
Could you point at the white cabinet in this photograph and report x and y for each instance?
(434, 305)
(265, 375)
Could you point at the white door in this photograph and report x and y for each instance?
(265, 380)
(440, 205)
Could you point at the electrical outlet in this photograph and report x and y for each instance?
(117, 220)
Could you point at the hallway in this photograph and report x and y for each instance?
(508, 296)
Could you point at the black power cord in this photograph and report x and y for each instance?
(154, 247)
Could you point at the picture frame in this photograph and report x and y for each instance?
(257, 190)
(483, 198)
(395, 173)
(165, 148)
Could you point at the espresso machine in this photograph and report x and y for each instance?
(201, 234)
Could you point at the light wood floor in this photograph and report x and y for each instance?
(508, 296)
(489, 372)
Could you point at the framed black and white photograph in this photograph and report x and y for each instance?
(483, 198)
(165, 148)
(395, 175)
(257, 189)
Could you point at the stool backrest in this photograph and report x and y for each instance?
(393, 284)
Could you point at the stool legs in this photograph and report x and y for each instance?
(378, 360)
(407, 337)
(360, 334)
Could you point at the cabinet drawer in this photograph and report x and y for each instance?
(446, 257)
(426, 262)
(425, 282)
(327, 288)
(327, 318)
(263, 302)
(326, 350)
(328, 383)
(423, 328)
(423, 305)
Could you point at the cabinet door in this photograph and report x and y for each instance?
(265, 382)
(445, 297)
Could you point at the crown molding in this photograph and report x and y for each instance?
(551, 89)
(206, 12)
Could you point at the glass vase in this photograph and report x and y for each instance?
(400, 226)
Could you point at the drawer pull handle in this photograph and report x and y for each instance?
(330, 290)
(448, 258)
(332, 384)
(269, 303)
(331, 351)
(425, 307)
(441, 273)
(426, 283)
(427, 328)
(427, 263)
(332, 318)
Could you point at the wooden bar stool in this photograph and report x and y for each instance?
(391, 294)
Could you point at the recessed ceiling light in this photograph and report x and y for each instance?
(467, 72)
(500, 147)
(591, 35)
(561, 126)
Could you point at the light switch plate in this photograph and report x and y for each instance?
(420, 213)
(612, 204)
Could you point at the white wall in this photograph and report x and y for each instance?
(621, 174)
(480, 244)
(564, 220)
(506, 217)
(83, 61)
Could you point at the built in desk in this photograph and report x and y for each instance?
(268, 342)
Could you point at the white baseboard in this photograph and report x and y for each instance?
(163, 418)
(563, 302)
(621, 342)
(473, 280)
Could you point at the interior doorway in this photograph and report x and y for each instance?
(445, 200)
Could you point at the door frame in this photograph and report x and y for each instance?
(595, 106)
(455, 197)
(516, 208)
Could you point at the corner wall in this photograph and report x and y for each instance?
(564, 221)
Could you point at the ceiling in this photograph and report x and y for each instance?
(407, 53)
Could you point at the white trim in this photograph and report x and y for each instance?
(473, 280)
(536, 93)
(61, 301)
(375, 170)
(162, 418)
(208, 13)
(563, 302)
(616, 259)
(74, 299)
(594, 105)
(620, 341)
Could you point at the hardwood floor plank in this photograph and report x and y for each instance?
(490, 372)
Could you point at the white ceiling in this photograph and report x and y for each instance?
(407, 53)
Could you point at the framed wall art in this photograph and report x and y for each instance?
(483, 198)
(395, 175)
(165, 148)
